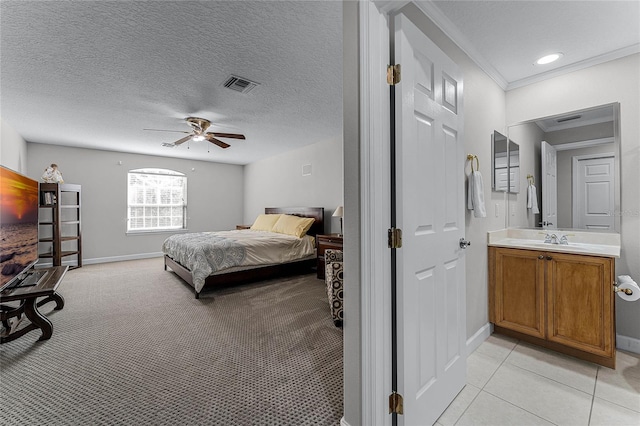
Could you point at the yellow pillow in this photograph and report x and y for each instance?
(265, 222)
(293, 225)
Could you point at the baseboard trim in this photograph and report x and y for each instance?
(343, 422)
(481, 335)
(630, 344)
(121, 258)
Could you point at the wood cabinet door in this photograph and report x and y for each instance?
(517, 290)
(580, 302)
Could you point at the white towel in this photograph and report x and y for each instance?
(532, 199)
(475, 198)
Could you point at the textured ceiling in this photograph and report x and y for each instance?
(95, 73)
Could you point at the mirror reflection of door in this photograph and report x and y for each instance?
(593, 187)
(549, 186)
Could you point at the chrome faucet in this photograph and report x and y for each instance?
(553, 239)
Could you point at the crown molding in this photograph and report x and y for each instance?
(596, 60)
(451, 31)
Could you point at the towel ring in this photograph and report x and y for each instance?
(531, 179)
(471, 157)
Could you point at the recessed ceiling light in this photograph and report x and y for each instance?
(548, 59)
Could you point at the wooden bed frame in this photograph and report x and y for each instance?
(264, 272)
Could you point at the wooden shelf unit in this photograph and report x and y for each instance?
(60, 222)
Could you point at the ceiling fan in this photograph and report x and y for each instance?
(199, 133)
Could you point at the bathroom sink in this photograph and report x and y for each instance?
(577, 248)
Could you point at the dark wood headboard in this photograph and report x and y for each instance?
(315, 212)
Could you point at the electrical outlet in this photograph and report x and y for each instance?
(513, 210)
(497, 209)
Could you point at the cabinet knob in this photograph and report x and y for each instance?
(549, 258)
(541, 257)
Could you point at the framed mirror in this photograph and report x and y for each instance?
(574, 160)
(499, 162)
(505, 164)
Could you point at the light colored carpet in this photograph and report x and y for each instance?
(133, 346)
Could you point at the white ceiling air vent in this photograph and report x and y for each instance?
(239, 84)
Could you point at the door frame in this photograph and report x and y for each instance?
(374, 261)
(375, 211)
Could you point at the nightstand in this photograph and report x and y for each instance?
(243, 226)
(323, 242)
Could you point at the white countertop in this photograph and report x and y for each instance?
(587, 243)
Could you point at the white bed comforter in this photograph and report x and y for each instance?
(205, 253)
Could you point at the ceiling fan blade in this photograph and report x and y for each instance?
(221, 144)
(227, 135)
(183, 140)
(159, 130)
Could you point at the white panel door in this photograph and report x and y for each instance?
(430, 211)
(594, 193)
(549, 186)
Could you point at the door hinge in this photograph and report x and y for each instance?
(393, 74)
(394, 237)
(395, 403)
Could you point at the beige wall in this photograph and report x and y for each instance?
(214, 194)
(13, 149)
(582, 133)
(352, 348)
(614, 81)
(528, 137)
(278, 181)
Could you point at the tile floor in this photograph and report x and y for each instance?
(512, 383)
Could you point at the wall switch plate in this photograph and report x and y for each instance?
(497, 208)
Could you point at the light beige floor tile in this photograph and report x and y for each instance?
(480, 367)
(457, 407)
(553, 401)
(620, 386)
(489, 410)
(605, 413)
(564, 369)
(497, 346)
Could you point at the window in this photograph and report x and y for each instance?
(157, 200)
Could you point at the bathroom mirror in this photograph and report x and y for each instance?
(573, 160)
(505, 164)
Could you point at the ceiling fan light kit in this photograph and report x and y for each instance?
(199, 133)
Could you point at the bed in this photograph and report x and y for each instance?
(230, 255)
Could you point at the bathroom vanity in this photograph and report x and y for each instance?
(559, 296)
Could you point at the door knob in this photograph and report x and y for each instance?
(464, 243)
